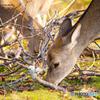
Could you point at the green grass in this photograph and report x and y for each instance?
(33, 95)
(94, 82)
(40, 95)
(44, 93)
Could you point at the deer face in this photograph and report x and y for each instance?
(61, 57)
(70, 42)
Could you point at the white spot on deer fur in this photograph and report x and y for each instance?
(76, 33)
(74, 37)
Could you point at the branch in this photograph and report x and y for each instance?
(35, 71)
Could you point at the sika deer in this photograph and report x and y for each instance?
(71, 41)
(36, 9)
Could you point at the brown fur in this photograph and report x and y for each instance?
(68, 45)
(32, 8)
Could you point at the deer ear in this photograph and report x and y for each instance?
(75, 35)
(65, 26)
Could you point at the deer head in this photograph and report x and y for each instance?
(61, 53)
(33, 8)
(71, 41)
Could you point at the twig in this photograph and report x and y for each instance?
(33, 72)
(93, 61)
(7, 74)
(67, 6)
(48, 84)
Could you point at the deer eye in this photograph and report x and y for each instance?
(56, 65)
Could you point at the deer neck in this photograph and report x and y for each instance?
(90, 22)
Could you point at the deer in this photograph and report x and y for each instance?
(32, 13)
(71, 41)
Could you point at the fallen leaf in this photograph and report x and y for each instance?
(2, 79)
(24, 90)
(64, 95)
